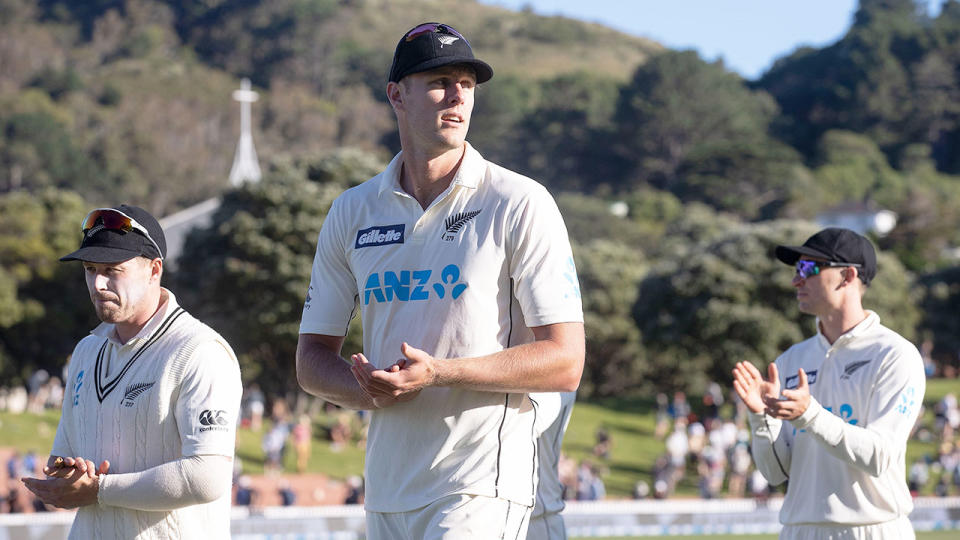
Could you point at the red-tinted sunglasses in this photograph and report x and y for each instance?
(116, 220)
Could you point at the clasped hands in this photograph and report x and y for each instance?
(764, 395)
(399, 382)
(69, 483)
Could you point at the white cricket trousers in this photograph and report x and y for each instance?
(455, 517)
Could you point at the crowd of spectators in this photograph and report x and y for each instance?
(941, 470)
(707, 446)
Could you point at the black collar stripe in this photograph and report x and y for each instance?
(103, 390)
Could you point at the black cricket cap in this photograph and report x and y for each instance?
(431, 45)
(103, 245)
(835, 245)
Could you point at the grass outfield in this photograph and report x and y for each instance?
(921, 535)
(629, 422)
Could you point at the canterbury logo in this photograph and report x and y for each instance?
(134, 390)
(850, 368)
(213, 418)
(456, 222)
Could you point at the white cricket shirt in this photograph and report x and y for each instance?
(845, 454)
(171, 391)
(468, 276)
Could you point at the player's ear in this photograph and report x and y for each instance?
(850, 276)
(156, 269)
(395, 95)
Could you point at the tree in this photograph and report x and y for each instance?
(44, 303)
(677, 104)
(609, 275)
(850, 167)
(891, 78)
(727, 299)
(564, 142)
(247, 274)
(940, 295)
(609, 251)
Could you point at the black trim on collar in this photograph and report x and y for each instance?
(104, 390)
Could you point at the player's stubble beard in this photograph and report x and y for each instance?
(112, 312)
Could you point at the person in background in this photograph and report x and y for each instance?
(833, 413)
(469, 300)
(546, 523)
(302, 436)
(153, 396)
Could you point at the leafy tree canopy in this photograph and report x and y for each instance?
(247, 274)
(727, 299)
(44, 306)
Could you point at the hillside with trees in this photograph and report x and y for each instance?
(129, 100)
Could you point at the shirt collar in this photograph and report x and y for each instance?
(860, 329)
(168, 303)
(469, 173)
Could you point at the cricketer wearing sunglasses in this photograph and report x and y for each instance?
(144, 447)
(833, 413)
(469, 300)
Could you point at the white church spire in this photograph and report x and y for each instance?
(245, 167)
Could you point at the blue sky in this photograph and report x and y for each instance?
(748, 34)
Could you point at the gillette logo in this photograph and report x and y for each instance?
(380, 235)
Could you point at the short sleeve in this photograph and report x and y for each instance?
(208, 406)
(541, 263)
(332, 296)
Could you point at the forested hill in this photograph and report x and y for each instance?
(104, 101)
(133, 96)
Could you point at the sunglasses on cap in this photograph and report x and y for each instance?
(430, 28)
(807, 268)
(115, 220)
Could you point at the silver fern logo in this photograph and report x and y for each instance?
(850, 368)
(134, 390)
(456, 222)
(447, 40)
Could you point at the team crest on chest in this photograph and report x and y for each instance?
(134, 390)
(849, 369)
(454, 223)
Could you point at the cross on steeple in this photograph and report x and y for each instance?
(245, 167)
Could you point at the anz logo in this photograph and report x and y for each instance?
(845, 413)
(907, 402)
(413, 285)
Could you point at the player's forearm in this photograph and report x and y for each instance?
(323, 373)
(771, 453)
(175, 484)
(553, 364)
(863, 448)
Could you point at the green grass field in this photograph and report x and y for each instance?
(630, 423)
